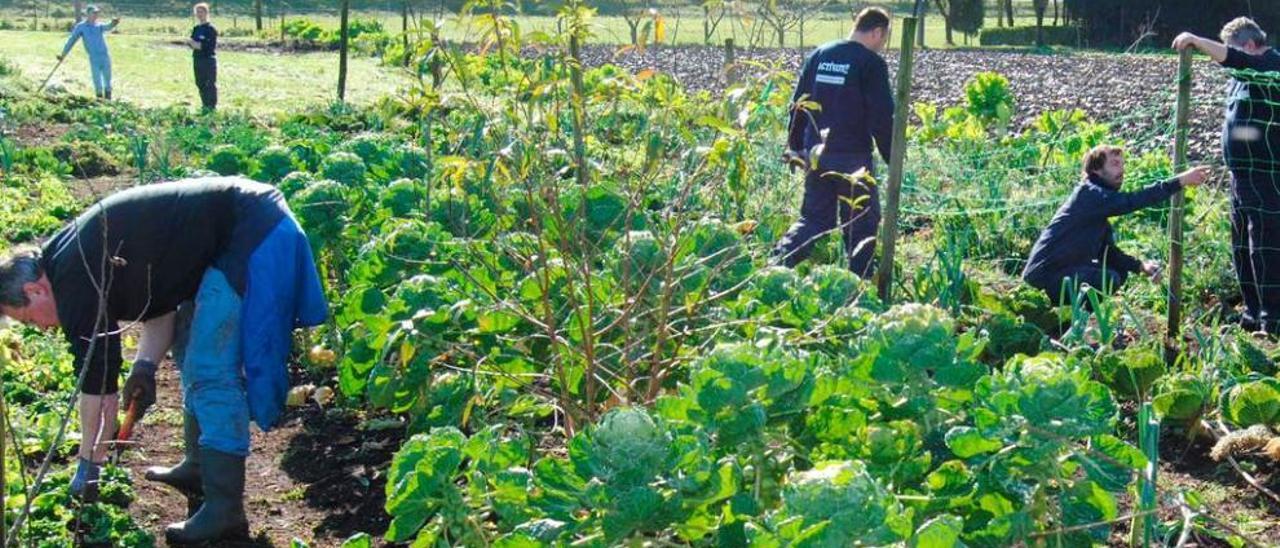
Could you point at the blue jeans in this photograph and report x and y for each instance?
(213, 380)
(100, 72)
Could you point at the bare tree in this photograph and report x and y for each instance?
(804, 11)
(779, 18)
(713, 12)
(634, 13)
(1008, 10)
(944, 11)
(1041, 7)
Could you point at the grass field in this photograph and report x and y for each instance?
(150, 72)
(683, 27)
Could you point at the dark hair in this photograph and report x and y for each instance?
(1096, 158)
(871, 19)
(1241, 31)
(20, 266)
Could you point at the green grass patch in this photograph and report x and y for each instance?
(150, 72)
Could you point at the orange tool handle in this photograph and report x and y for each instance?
(130, 417)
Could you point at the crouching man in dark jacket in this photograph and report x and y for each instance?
(1079, 247)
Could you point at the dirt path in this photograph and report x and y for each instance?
(316, 477)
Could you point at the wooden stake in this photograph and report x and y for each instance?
(1173, 334)
(889, 230)
(342, 55)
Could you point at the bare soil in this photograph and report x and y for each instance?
(317, 477)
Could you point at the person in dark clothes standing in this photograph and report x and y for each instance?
(1079, 247)
(1251, 148)
(849, 81)
(232, 248)
(204, 43)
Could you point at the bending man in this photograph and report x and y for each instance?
(1079, 247)
(230, 245)
(1251, 148)
(95, 44)
(849, 81)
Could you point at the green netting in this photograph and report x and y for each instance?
(1252, 153)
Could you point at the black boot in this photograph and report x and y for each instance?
(185, 477)
(221, 517)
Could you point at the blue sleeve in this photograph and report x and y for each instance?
(1113, 203)
(879, 104)
(800, 120)
(71, 40)
(109, 27)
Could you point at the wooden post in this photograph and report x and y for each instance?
(1173, 335)
(257, 14)
(730, 61)
(404, 28)
(342, 54)
(889, 230)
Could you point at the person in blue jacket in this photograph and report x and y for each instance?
(841, 105)
(1251, 148)
(232, 249)
(1078, 247)
(93, 34)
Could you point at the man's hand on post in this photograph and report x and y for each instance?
(141, 386)
(796, 160)
(1152, 269)
(1195, 176)
(1186, 40)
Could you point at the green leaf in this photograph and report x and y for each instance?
(1254, 402)
(967, 442)
(358, 540)
(1088, 503)
(940, 532)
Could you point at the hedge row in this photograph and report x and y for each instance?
(1026, 36)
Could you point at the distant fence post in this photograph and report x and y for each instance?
(889, 230)
(1173, 336)
(404, 29)
(344, 45)
(730, 61)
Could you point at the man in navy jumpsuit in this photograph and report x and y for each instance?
(1251, 148)
(1078, 248)
(848, 80)
(230, 246)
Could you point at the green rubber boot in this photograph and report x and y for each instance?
(185, 477)
(222, 515)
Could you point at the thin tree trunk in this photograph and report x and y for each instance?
(946, 20)
(257, 14)
(1056, 7)
(1008, 11)
(342, 55)
(78, 5)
